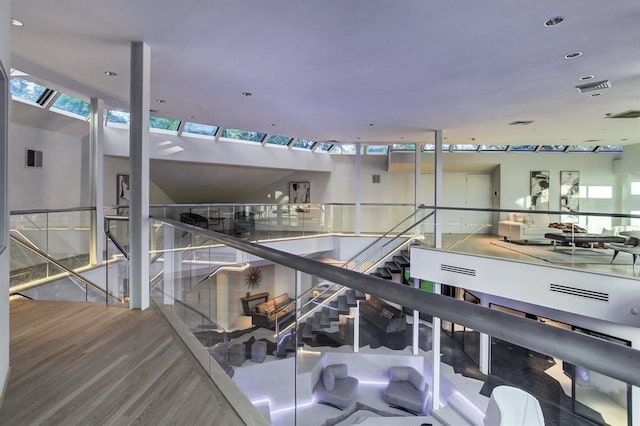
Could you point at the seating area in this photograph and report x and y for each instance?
(631, 245)
(382, 315)
(406, 390)
(521, 227)
(278, 309)
(336, 387)
(510, 406)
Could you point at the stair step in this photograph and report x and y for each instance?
(375, 274)
(306, 332)
(384, 273)
(315, 327)
(351, 298)
(450, 417)
(401, 261)
(360, 295)
(406, 253)
(393, 267)
(325, 322)
(334, 315)
(343, 306)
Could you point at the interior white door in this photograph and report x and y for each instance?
(478, 195)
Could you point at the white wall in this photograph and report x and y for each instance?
(114, 166)
(58, 183)
(4, 257)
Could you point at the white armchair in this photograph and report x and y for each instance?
(521, 227)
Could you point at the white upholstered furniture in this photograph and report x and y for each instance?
(509, 406)
(523, 227)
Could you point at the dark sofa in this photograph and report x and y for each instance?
(280, 308)
(382, 315)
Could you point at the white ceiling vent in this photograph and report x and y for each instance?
(597, 85)
(627, 114)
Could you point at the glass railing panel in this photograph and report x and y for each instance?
(64, 289)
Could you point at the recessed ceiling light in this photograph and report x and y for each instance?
(624, 139)
(16, 22)
(586, 77)
(593, 95)
(153, 111)
(161, 101)
(553, 21)
(273, 124)
(573, 55)
(247, 94)
(110, 73)
(358, 138)
(192, 116)
(371, 124)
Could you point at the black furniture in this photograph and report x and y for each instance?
(194, 219)
(574, 239)
(278, 309)
(382, 315)
(251, 301)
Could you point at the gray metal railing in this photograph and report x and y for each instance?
(590, 352)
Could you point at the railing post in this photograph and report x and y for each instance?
(416, 322)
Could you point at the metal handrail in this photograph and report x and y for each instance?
(50, 259)
(114, 240)
(41, 211)
(590, 352)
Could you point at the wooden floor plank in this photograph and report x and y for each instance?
(84, 364)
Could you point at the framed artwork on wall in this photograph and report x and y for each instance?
(299, 192)
(569, 191)
(122, 186)
(539, 181)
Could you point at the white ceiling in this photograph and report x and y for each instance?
(328, 68)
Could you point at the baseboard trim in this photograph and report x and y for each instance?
(5, 385)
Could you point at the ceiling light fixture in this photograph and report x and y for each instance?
(371, 124)
(153, 111)
(110, 73)
(273, 124)
(593, 95)
(586, 77)
(247, 94)
(192, 116)
(553, 21)
(573, 55)
(16, 22)
(161, 101)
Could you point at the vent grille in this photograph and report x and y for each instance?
(33, 158)
(580, 292)
(458, 270)
(521, 123)
(376, 178)
(626, 114)
(590, 87)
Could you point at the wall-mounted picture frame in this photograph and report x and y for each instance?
(299, 192)
(539, 184)
(122, 187)
(569, 191)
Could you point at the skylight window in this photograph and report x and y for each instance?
(523, 148)
(494, 147)
(553, 148)
(465, 147)
(323, 146)
(164, 125)
(30, 92)
(611, 148)
(403, 147)
(118, 118)
(343, 149)
(243, 135)
(377, 149)
(432, 147)
(582, 148)
(199, 130)
(279, 140)
(71, 106)
(303, 144)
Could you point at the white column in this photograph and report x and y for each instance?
(222, 299)
(435, 380)
(437, 190)
(358, 188)
(416, 322)
(416, 176)
(139, 179)
(96, 178)
(485, 347)
(356, 327)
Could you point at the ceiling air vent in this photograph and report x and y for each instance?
(627, 114)
(521, 123)
(590, 87)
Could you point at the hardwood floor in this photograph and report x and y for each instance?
(84, 364)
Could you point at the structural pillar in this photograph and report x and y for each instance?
(96, 187)
(358, 188)
(416, 322)
(222, 299)
(437, 289)
(485, 347)
(139, 176)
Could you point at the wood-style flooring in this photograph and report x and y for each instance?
(85, 364)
